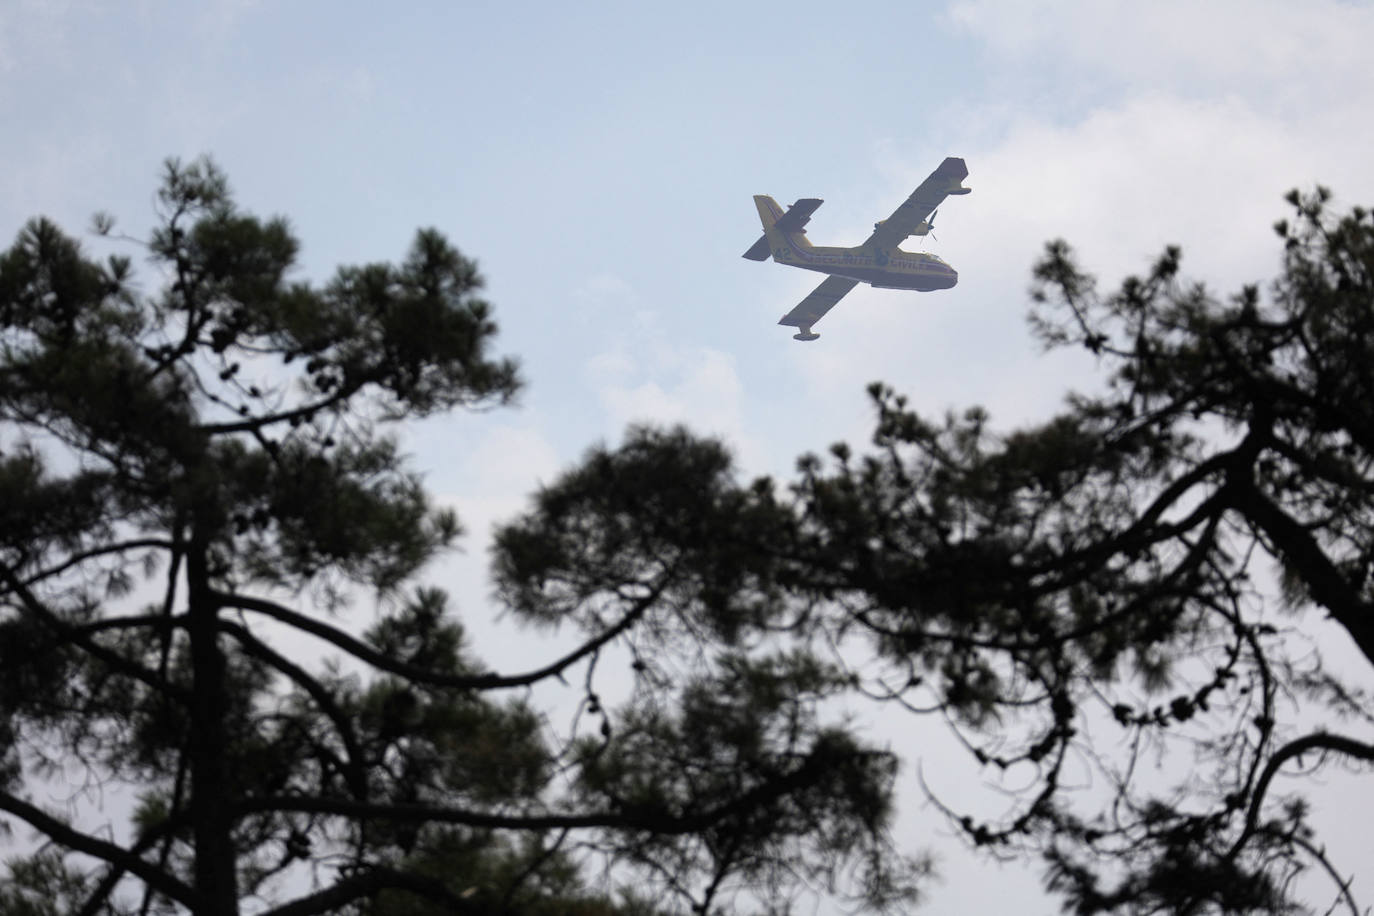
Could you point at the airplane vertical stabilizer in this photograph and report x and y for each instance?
(782, 232)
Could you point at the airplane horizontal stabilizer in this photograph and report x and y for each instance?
(759, 251)
(799, 214)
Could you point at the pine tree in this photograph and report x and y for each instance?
(225, 444)
(1098, 599)
(1093, 594)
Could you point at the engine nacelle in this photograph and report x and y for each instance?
(922, 228)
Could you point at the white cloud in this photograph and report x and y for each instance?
(693, 385)
(643, 376)
(1198, 148)
(604, 290)
(665, 384)
(1299, 52)
(1201, 162)
(1124, 181)
(489, 479)
(495, 468)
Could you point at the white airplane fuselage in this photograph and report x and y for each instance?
(886, 269)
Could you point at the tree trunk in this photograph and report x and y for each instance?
(216, 880)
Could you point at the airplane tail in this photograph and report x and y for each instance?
(782, 232)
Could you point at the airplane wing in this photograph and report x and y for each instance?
(822, 299)
(916, 209)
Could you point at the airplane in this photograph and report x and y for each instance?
(878, 261)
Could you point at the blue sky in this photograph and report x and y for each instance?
(598, 160)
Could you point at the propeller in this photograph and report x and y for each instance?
(930, 228)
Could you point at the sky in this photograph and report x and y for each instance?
(598, 161)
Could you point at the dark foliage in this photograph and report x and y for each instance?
(1148, 576)
(1142, 578)
(1129, 596)
(180, 469)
